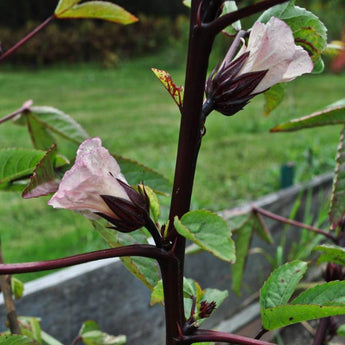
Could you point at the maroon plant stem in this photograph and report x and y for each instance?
(76, 340)
(26, 38)
(200, 44)
(222, 22)
(5, 285)
(144, 250)
(294, 223)
(23, 108)
(321, 332)
(207, 335)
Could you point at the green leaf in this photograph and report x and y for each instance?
(320, 301)
(228, 7)
(333, 114)
(243, 237)
(209, 231)
(341, 331)
(64, 5)
(187, 3)
(308, 30)
(30, 326)
(17, 287)
(191, 289)
(145, 269)
(98, 10)
(39, 134)
(43, 180)
(337, 208)
(49, 340)
(176, 92)
(91, 335)
(332, 293)
(331, 253)
(281, 284)
(16, 340)
(273, 97)
(58, 122)
(17, 163)
(137, 173)
(154, 203)
(285, 315)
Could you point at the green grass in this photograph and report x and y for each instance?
(128, 108)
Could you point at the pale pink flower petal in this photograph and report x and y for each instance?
(271, 47)
(94, 173)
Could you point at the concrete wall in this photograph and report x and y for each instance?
(104, 291)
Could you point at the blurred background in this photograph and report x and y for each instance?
(99, 73)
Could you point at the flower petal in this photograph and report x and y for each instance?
(300, 64)
(94, 173)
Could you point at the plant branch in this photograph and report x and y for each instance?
(76, 340)
(208, 335)
(222, 22)
(25, 107)
(5, 285)
(294, 223)
(26, 38)
(143, 250)
(321, 332)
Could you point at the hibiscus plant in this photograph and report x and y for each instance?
(119, 196)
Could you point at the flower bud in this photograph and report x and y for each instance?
(270, 57)
(95, 186)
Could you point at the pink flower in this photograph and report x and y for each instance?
(271, 57)
(95, 186)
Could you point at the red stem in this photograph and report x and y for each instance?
(27, 38)
(294, 223)
(222, 22)
(144, 250)
(25, 107)
(207, 335)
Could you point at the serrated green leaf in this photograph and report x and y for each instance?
(281, 284)
(273, 97)
(17, 163)
(331, 293)
(58, 122)
(243, 237)
(209, 231)
(145, 269)
(333, 114)
(16, 340)
(331, 253)
(341, 331)
(64, 5)
(39, 134)
(17, 287)
(308, 30)
(337, 208)
(98, 10)
(137, 173)
(43, 180)
(284, 315)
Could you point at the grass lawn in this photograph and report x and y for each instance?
(128, 108)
